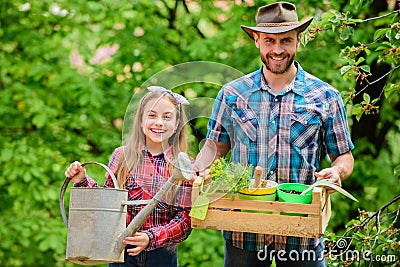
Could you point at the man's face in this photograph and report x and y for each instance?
(277, 51)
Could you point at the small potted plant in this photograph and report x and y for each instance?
(229, 177)
(259, 189)
(291, 192)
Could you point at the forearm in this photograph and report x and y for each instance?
(343, 163)
(176, 231)
(210, 152)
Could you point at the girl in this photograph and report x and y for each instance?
(141, 166)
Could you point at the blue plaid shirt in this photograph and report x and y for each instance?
(286, 134)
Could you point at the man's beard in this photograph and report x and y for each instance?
(280, 70)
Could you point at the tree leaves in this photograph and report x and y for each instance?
(347, 31)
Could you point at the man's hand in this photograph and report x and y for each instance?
(331, 174)
(210, 152)
(341, 168)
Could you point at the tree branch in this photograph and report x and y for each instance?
(380, 17)
(377, 80)
(378, 212)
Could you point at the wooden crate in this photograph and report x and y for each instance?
(225, 213)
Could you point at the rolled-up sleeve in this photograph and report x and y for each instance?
(337, 134)
(219, 124)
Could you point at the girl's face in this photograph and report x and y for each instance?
(159, 123)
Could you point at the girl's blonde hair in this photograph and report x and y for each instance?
(132, 155)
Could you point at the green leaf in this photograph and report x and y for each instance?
(356, 3)
(380, 48)
(6, 154)
(367, 98)
(356, 109)
(360, 59)
(230, 176)
(379, 33)
(352, 222)
(391, 89)
(347, 31)
(389, 34)
(27, 177)
(396, 171)
(39, 120)
(326, 16)
(375, 100)
(304, 40)
(366, 68)
(345, 69)
(329, 184)
(334, 20)
(359, 114)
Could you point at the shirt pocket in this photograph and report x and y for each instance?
(245, 124)
(305, 129)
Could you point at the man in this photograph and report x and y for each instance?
(282, 119)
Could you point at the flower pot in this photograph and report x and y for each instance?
(293, 197)
(263, 194)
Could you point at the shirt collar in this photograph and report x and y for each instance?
(167, 153)
(297, 86)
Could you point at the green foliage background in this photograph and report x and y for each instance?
(60, 102)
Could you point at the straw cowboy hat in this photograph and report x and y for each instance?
(277, 18)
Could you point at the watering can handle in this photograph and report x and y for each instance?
(65, 185)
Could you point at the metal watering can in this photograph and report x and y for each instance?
(97, 216)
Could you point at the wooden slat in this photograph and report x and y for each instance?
(312, 209)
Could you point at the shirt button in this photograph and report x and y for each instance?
(273, 122)
(271, 172)
(276, 99)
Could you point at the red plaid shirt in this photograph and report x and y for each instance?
(169, 223)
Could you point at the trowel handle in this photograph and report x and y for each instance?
(66, 182)
(257, 176)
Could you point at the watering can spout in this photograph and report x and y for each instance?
(183, 170)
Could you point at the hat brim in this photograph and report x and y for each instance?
(302, 26)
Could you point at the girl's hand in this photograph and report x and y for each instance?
(75, 172)
(139, 240)
(203, 174)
